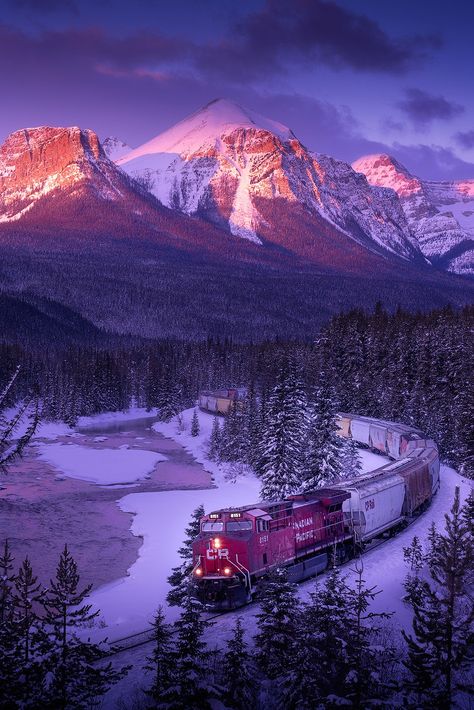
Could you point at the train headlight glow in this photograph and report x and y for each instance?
(217, 543)
(198, 572)
(227, 570)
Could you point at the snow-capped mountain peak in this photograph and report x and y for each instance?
(440, 214)
(205, 127)
(232, 166)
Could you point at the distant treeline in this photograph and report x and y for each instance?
(413, 368)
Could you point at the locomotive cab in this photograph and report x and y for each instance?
(220, 556)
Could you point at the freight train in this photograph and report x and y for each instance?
(236, 547)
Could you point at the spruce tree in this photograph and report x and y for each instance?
(11, 446)
(238, 673)
(413, 556)
(195, 424)
(322, 655)
(30, 637)
(215, 441)
(284, 437)
(351, 463)
(77, 678)
(7, 579)
(276, 642)
(443, 619)
(10, 652)
(180, 575)
(325, 446)
(193, 685)
(162, 660)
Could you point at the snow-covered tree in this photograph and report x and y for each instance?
(11, 442)
(161, 662)
(193, 683)
(7, 579)
(214, 440)
(284, 437)
(414, 558)
(238, 672)
(276, 642)
(180, 575)
(30, 637)
(351, 462)
(77, 678)
(322, 654)
(443, 618)
(195, 424)
(325, 446)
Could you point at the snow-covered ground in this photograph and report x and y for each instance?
(102, 466)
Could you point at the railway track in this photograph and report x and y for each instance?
(142, 638)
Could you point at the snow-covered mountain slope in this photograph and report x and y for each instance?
(114, 148)
(440, 214)
(230, 165)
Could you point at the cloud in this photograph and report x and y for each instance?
(465, 139)
(46, 6)
(422, 108)
(433, 161)
(309, 31)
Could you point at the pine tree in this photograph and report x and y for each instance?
(284, 437)
(215, 441)
(276, 640)
(368, 680)
(77, 679)
(324, 460)
(351, 463)
(192, 685)
(443, 618)
(30, 637)
(180, 575)
(161, 662)
(10, 653)
(413, 556)
(195, 424)
(6, 583)
(323, 658)
(10, 446)
(238, 675)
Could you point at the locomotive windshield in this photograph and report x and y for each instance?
(214, 526)
(234, 525)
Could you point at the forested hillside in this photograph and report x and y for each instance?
(413, 368)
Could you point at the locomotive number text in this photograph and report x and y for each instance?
(263, 539)
(369, 504)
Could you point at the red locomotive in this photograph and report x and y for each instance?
(237, 546)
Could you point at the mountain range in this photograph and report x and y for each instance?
(224, 224)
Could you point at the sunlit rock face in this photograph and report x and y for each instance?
(229, 165)
(35, 162)
(440, 214)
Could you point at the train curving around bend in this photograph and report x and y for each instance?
(236, 547)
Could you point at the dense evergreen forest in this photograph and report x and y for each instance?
(412, 368)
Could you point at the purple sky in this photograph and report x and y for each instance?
(348, 77)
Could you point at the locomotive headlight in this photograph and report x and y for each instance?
(198, 572)
(227, 570)
(217, 543)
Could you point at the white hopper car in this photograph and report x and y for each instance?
(385, 498)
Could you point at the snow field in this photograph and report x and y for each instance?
(101, 466)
